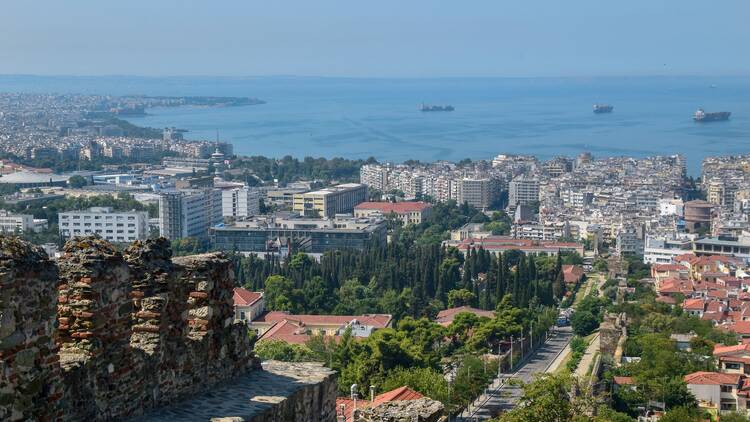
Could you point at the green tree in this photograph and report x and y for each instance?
(681, 414)
(279, 293)
(584, 323)
(460, 297)
(283, 351)
(77, 181)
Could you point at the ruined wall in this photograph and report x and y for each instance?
(135, 330)
(30, 385)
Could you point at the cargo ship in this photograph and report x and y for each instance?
(428, 107)
(717, 116)
(602, 108)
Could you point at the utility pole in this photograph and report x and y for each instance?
(511, 354)
(531, 335)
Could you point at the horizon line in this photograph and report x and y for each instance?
(293, 76)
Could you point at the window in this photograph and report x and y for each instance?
(726, 388)
(731, 365)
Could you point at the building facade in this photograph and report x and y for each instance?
(189, 212)
(110, 225)
(523, 191)
(288, 233)
(339, 199)
(407, 212)
(479, 193)
(240, 202)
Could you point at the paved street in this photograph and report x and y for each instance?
(505, 397)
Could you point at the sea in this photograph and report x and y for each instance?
(375, 117)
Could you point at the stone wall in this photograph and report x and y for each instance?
(30, 386)
(105, 334)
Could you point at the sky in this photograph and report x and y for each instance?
(380, 38)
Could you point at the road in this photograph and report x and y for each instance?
(505, 397)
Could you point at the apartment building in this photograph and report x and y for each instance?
(189, 212)
(240, 202)
(479, 193)
(110, 225)
(15, 223)
(339, 199)
(523, 191)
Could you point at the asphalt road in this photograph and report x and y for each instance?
(504, 398)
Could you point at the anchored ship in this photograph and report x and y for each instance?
(717, 116)
(602, 108)
(428, 107)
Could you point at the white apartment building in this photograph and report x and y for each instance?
(523, 191)
(672, 207)
(114, 226)
(189, 212)
(240, 202)
(663, 249)
(18, 223)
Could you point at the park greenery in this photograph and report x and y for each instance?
(418, 352)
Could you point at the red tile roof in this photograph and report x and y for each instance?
(739, 327)
(244, 297)
(372, 320)
(624, 380)
(721, 350)
(401, 393)
(390, 207)
(711, 378)
(288, 331)
(345, 405)
(694, 304)
(572, 273)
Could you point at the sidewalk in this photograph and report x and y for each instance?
(588, 357)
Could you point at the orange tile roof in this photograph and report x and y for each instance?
(446, 316)
(244, 297)
(401, 393)
(345, 405)
(572, 273)
(373, 320)
(694, 304)
(711, 378)
(739, 327)
(721, 350)
(624, 380)
(390, 207)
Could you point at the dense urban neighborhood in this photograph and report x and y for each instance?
(576, 288)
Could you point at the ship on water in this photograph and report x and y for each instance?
(716, 116)
(602, 108)
(428, 107)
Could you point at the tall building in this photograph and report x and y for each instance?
(479, 193)
(523, 190)
(111, 225)
(240, 202)
(339, 199)
(374, 176)
(189, 212)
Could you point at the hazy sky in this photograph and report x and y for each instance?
(413, 38)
